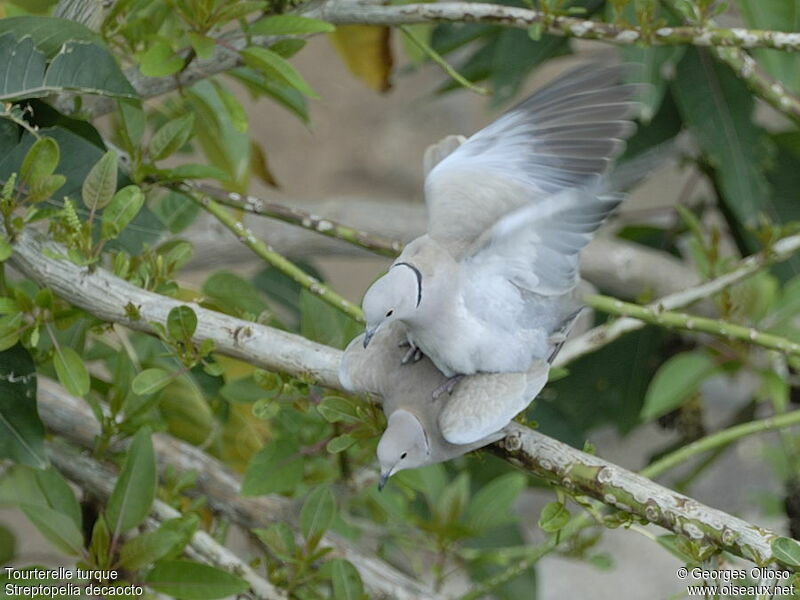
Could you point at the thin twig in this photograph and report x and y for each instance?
(720, 439)
(295, 216)
(280, 262)
(603, 335)
(676, 320)
(439, 60)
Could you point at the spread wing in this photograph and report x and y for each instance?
(563, 136)
(537, 247)
(483, 404)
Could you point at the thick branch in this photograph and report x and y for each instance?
(463, 12)
(71, 418)
(99, 481)
(346, 13)
(105, 295)
(587, 474)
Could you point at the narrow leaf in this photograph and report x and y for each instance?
(186, 580)
(674, 382)
(101, 182)
(289, 25)
(136, 487)
(171, 137)
(71, 371)
(317, 514)
(274, 66)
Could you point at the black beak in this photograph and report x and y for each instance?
(368, 336)
(382, 481)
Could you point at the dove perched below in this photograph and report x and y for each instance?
(487, 289)
(421, 431)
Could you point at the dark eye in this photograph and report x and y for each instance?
(403, 455)
(390, 313)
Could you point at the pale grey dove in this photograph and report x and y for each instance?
(490, 285)
(422, 431)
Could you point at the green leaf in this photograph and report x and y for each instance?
(718, 109)
(49, 34)
(21, 430)
(276, 468)
(101, 182)
(8, 546)
(171, 137)
(676, 380)
(10, 329)
(232, 291)
(6, 249)
(58, 528)
(25, 74)
(195, 171)
(71, 371)
(322, 323)
(234, 108)
(203, 45)
(40, 161)
(787, 551)
(101, 541)
(317, 515)
(335, 409)
(169, 538)
(347, 584)
(340, 443)
(677, 546)
(150, 381)
(187, 580)
(275, 67)
(450, 504)
(289, 25)
(159, 60)
(279, 539)
(181, 323)
(177, 211)
(131, 114)
(122, 209)
(492, 505)
(282, 93)
(136, 487)
(554, 517)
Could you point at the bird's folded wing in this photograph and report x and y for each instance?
(563, 136)
(537, 247)
(483, 404)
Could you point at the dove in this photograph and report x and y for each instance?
(421, 431)
(487, 288)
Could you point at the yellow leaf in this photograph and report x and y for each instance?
(242, 436)
(259, 165)
(367, 52)
(233, 368)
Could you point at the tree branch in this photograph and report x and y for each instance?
(605, 334)
(341, 12)
(295, 216)
(70, 418)
(475, 12)
(104, 295)
(720, 439)
(686, 322)
(99, 481)
(587, 474)
(285, 266)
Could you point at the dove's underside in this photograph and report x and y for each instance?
(509, 211)
(473, 416)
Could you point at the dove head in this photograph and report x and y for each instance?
(396, 295)
(404, 445)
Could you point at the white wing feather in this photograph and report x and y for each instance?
(563, 136)
(484, 404)
(537, 247)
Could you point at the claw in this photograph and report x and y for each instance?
(448, 386)
(413, 355)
